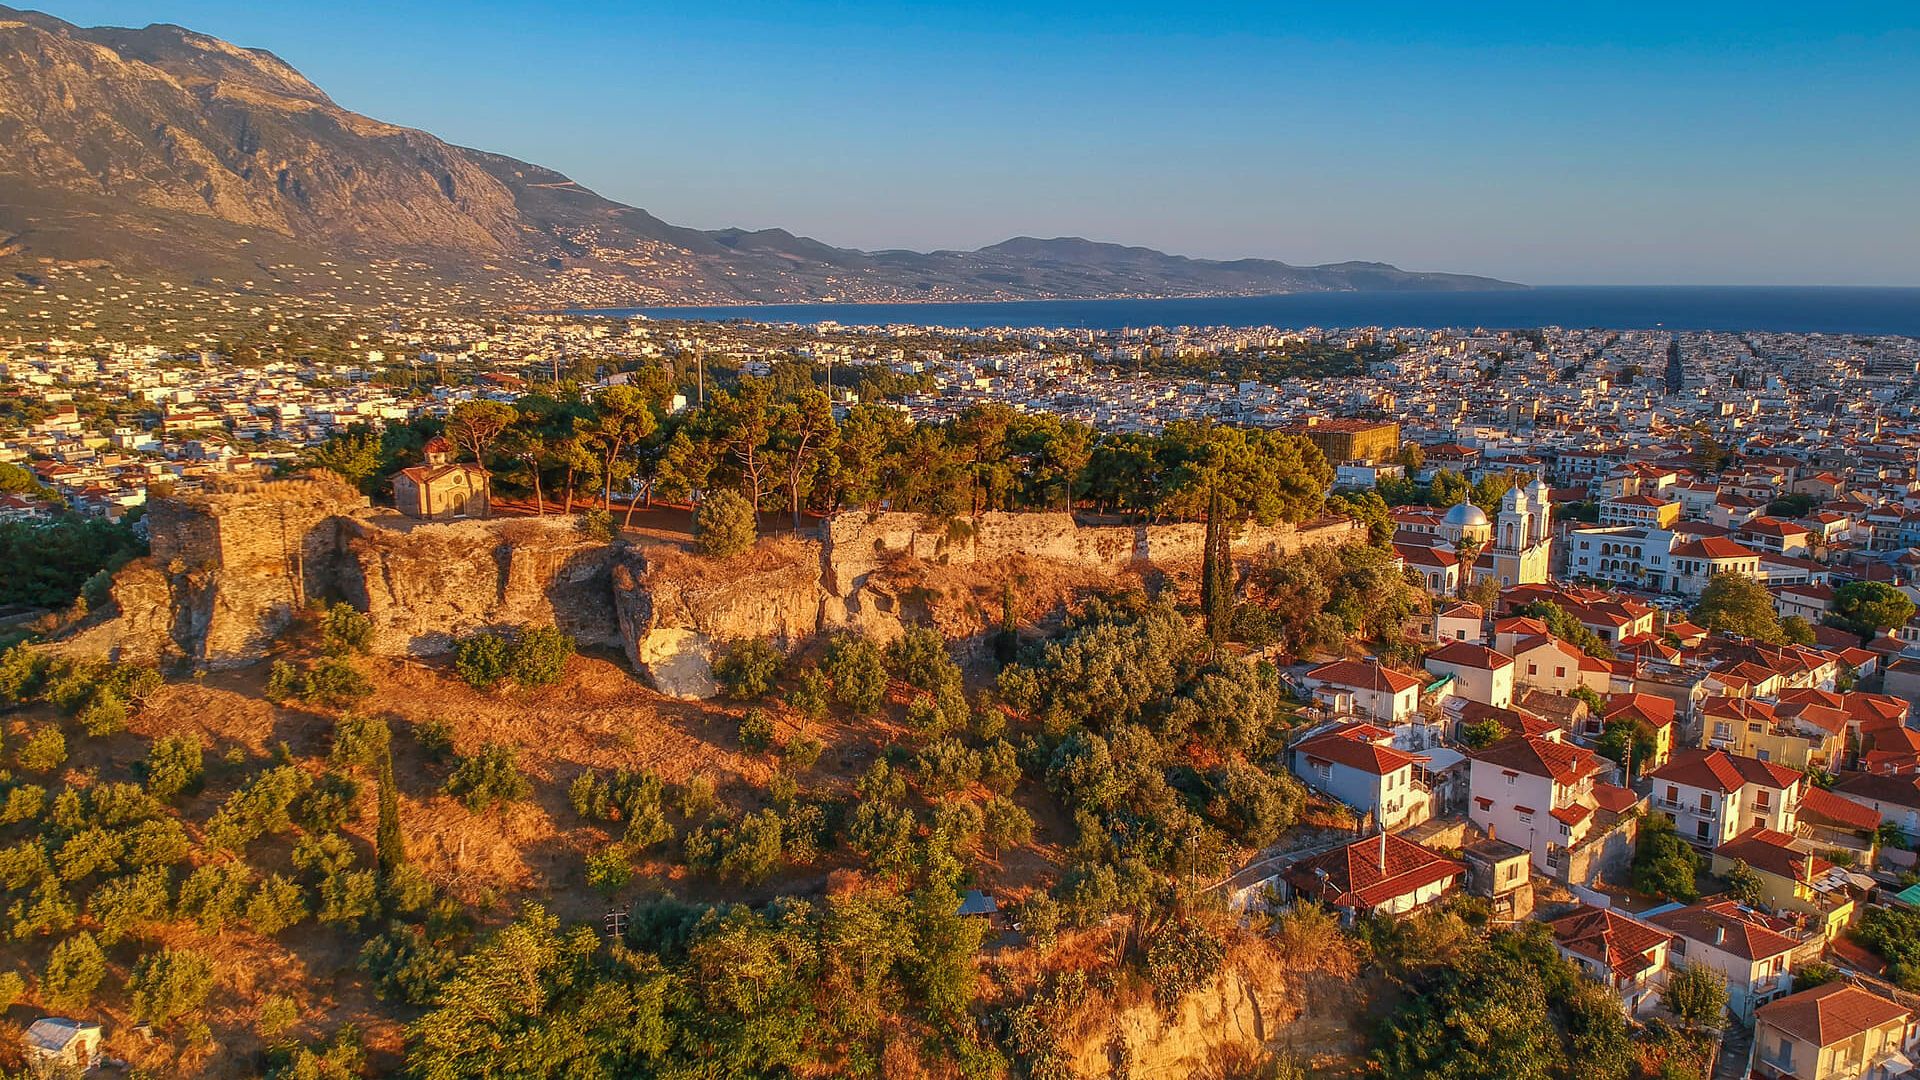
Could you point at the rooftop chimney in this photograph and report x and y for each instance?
(1719, 933)
(1383, 849)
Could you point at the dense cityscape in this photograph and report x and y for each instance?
(959, 542)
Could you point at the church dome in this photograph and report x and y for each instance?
(1465, 516)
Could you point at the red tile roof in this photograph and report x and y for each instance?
(1625, 944)
(1358, 876)
(1342, 748)
(1728, 926)
(1363, 675)
(1830, 1014)
(1717, 770)
(1565, 764)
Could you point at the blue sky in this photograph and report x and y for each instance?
(1622, 142)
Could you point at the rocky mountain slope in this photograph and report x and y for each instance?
(161, 149)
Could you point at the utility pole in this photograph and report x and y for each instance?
(700, 360)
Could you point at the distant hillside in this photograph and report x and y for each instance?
(165, 150)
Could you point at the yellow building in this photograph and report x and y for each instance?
(1754, 729)
(1790, 880)
(1343, 441)
(1831, 1032)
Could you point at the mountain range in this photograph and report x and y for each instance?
(166, 151)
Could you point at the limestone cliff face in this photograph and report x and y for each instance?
(231, 570)
(429, 584)
(1225, 1016)
(241, 564)
(673, 610)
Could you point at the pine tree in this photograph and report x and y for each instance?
(390, 847)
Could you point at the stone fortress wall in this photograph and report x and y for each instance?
(230, 570)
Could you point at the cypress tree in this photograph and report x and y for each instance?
(1216, 573)
(390, 847)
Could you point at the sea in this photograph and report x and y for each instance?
(1781, 309)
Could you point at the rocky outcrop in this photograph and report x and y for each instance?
(428, 584)
(242, 563)
(1209, 1023)
(673, 610)
(230, 571)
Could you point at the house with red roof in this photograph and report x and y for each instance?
(1792, 879)
(1550, 664)
(1479, 673)
(1712, 796)
(1696, 562)
(1835, 1030)
(1626, 955)
(1367, 688)
(1464, 621)
(1751, 950)
(1652, 712)
(1358, 765)
(1381, 874)
(1539, 793)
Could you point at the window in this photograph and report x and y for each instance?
(1560, 672)
(1701, 830)
(1533, 669)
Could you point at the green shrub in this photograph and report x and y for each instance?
(947, 765)
(327, 803)
(264, 806)
(435, 738)
(487, 778)
(359, 742)
(169, 984)
(811, 695)
(175, 766)
(276, 904)
(756, 730)
(12, 987)
(216, 894)
(21, 671)
(609, 869)
(697, 799)
(74, 970)
(748, 668)
(344, 631)
(408, 963)
(162, 842)
(857, 672)
(103, 714)
(89, 852)
(724, 524)
(596, 524)
(331, 682)
(481, 660)
(123, 906)
(538, 656)
(749, 851)
(802, 751)
(279, 1014)
(44, 751)
(1184, 957)
(24, 802)
(1005, 824)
